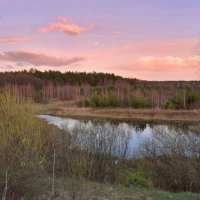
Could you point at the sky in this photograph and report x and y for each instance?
(144, 39)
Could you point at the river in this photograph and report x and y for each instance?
(135, 132)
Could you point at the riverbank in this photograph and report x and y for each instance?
(66, 109)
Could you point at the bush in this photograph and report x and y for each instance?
(138, 102)
(112, 100)
(97, 101)
(138, 178)
(177, 102)
(25, 142)
(94, 152)
(172, 159)
(192, 99)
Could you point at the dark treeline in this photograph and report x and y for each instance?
(72, 78)
(101, 89)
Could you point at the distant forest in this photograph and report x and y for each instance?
(100, 89)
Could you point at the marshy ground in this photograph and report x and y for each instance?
(69, 109)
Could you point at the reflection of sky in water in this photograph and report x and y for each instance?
(138, 137)
(62, 122)
(138, 132)
(59, 121)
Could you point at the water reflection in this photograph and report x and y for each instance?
(131, 134)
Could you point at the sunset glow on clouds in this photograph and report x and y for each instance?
(154, 40)
(65, 25)
(37, 59)
(14, 40)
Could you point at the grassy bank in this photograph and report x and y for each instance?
(152, 115)
(65, 189)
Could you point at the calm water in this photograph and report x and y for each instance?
(138, 132)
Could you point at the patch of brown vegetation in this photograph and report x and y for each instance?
(63, 109)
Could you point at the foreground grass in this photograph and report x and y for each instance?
(68, 109)
(65, 189)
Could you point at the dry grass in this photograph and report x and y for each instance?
(100, 191)
(69, 109)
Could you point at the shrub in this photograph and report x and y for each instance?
(97, 101)
(25, 142)
(138, 102)
(192, 99)
(177, 102)
(138, 178)
(172, 159)
(112, 100)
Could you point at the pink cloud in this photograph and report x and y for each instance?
(166, 63)
(40, 59)
(157, 68)
(116, 33)
(158, 64)
(14, 40)
(167, 46)
(158, 48)
(65, 25)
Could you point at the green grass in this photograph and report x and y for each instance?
(173, 196)
(137, 178)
